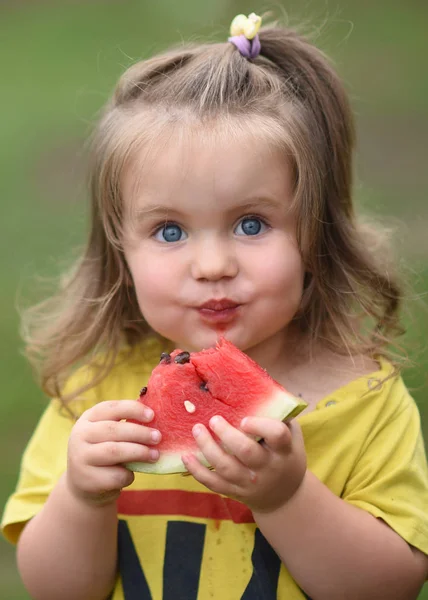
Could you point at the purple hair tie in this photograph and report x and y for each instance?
(248, 48)
(244, 34)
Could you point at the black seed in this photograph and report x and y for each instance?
(165, 357)
(143, 391)
(204, 386)
(183, 357)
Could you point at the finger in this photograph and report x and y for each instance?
(225, 464)
(114, 431)
(116, 410)
(276, 435)
(244, 447)
(211, 479)
(296, 432)
(109, 479)
(116, 453)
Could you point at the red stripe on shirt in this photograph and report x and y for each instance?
(179, 502)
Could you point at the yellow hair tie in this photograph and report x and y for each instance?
(247, 26)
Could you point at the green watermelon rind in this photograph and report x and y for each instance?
(282, 407)
(168, 464)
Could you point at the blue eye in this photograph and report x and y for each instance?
(250, 226)
(170, 232)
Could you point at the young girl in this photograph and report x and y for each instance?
(222, 204)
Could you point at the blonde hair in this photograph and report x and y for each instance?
(351, 300)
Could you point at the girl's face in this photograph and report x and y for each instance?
(210, 243)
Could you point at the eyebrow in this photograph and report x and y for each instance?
(158, 210)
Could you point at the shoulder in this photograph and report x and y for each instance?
(378, 402)
(378, 382)
(363, 390)
(388, 473)
(98, 380)
(386, 387)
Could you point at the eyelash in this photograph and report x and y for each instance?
(161, 226)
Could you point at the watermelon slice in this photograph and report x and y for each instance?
(189, 388)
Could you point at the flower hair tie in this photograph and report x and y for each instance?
(244, 34)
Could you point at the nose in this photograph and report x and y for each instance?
(213, 259)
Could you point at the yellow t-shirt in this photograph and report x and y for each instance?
(178, 539)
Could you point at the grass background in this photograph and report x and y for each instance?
(59, 61)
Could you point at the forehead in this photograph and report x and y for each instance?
(218, 159)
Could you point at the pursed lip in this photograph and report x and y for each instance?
(218, 305)
(219, 312)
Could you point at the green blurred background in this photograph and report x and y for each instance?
(59, 61)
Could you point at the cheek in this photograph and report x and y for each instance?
(279, 269)
(152, 277)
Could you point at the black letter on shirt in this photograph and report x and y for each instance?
(183, 558)
(133, 580)
(266, 566)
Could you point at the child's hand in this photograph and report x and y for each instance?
(99, 444)
(262, 475)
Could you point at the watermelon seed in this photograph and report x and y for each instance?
(204, 386)
(143, 391)
(183, 357)
(165, 357)
(189, 406)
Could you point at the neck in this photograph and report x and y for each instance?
(309, 372)
(282, 353)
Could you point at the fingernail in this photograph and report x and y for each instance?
(215, 421)
(155, 436)
(154, 454)
(244, 422)
(197, 429)
(148, 413)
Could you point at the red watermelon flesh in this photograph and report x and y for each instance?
(189, 388)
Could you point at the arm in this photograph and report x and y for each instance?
(69, 549)
(335, 550)
(331, 548)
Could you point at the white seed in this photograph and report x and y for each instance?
(189, 406)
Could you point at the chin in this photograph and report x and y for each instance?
(202, 340)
